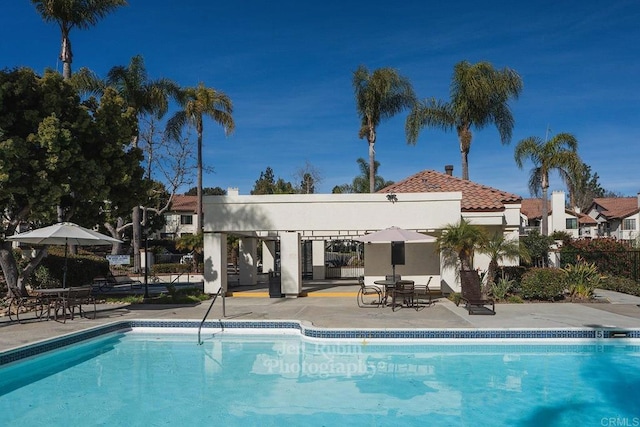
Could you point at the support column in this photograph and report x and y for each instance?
(290, 264)
(268, 256)
(317, 253)
(248, 261)
(215, 262)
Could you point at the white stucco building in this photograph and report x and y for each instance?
(425, 202)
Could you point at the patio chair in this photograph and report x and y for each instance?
(23, 302)
(76, 297)
(475, 301)
(422, 293)
(403, 292)
(368, 291)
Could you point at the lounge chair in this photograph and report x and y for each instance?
(368, 291)
(107, 283)
(475, 301)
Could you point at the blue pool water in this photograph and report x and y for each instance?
(137, 379)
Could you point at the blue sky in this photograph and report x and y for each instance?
(287, 66)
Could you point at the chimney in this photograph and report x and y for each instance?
(639, 200)
(232, 191)
(448, 169)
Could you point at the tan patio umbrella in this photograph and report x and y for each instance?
(64, 233)
(396, 236)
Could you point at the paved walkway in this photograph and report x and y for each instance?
(332, 305)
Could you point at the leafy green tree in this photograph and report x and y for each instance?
(379, 95)
(147, 98)
(585, 187)
(360, 183)
(479, 97)
(207, 191)
(68, 14)
(267, 184)
(195, 103)
(537, 246)
(56, 152)
(560, 153)
(458, 243)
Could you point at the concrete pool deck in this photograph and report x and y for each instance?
(333, 305)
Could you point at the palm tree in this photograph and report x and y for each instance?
(147, 98)
(73, 13)
(479, 97)
(500, 249)
(196, 103)
(458, 242)
(379, 95)
(560, 154)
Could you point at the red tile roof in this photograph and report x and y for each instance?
(617, 207)
(475, 197)
(532, 209)
(181, 203)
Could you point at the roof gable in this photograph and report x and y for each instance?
(475, 197)
(617, 207)
(182, 203)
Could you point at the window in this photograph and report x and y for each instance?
(572, 223)
(629, 224)
(186, 219)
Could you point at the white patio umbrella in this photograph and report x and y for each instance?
(395, 234)
(64, 233)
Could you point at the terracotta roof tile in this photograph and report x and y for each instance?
(617, 207)
(475, 197)
(181, 203)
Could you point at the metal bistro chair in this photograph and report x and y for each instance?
(76, 297)
(422, 293)
(367, 291)
(403, 292)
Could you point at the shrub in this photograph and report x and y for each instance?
(171, 268)
(501, 288)
(581, 278)
(514, 299)
(543, 284)
(620, 284)
(81, 269)
(609, 255)
(513, 273)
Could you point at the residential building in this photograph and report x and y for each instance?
(180, 219)
(576, 224)
(617, 217)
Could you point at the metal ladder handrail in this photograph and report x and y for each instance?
(200, 342)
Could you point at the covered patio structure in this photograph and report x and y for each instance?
(291, 219)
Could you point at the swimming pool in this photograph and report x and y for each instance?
(139, 378)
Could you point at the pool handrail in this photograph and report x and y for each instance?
(210, 307)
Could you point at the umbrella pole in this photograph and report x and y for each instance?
(64, 269)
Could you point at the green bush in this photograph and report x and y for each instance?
(620, 284)
(501, 288)
(581, 278)
(514, 299)
(81, 269)
(543, 284)
(171, 268)
(514, 273)
(609, 255)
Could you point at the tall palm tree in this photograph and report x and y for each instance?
(147, 98)
(479, 97)
(197, 102)
(458, 242)
(379, 95)
(74, 13)
(560, 153)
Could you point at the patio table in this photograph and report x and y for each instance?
(52, 296)
(390, 286)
